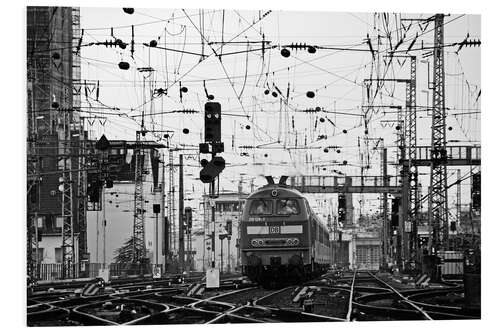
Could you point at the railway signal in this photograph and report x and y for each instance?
(212, 122)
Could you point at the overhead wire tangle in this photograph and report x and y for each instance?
(197, 64)
(227, 75)
(144, 23)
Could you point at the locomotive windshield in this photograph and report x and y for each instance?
(287, 207)
(261, 207)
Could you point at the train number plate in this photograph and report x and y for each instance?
(275, 229)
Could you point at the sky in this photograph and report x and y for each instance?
(282, 139)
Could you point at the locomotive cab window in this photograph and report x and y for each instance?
(287, 207)
(261, 207)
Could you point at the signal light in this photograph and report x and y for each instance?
(217, 147)
(188, 215)
(212, 122)
(395, 212)
(453, 226)
(204, 148)
(342, 208)
(212, 169)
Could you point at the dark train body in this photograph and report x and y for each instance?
(281, 238)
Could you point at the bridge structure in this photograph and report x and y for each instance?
(346, 184)
(398, 186)
(455, 156)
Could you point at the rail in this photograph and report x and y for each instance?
(404, 298)
(351, 296)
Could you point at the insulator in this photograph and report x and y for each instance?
(153, 43)
(185, 131)
(310, 94)
(124, 65)
(285, 53)
(247, 127)
(184, 89)
(275, 94)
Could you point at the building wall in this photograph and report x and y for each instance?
(228, 207)
(50, 79)
(119, 207)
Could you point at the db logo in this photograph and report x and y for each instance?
(274, 230)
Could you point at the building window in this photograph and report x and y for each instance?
(58, 255)
(40, 254)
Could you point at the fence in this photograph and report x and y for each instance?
(51, 272)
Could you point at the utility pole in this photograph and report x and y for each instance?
(166, 232)
(212, 197)
(181, 213)
(104, 226)
(438, 196)
(221, 237)
(138, 227)
(386, 230)
(66, 189)
(228, 253)
(459, 199)
(171, 203)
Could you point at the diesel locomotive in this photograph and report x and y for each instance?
(281, 238)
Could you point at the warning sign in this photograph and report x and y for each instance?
(156, 272)
(212, 278)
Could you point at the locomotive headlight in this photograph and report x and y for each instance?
(292, 241)
(254, 242)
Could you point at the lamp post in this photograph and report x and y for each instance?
(221, 237)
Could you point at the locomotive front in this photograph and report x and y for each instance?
(275, 236)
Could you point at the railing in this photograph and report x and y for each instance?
(336, 181)
(51, 272)
(452, 152)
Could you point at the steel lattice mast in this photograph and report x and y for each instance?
(66, 188)
(139, 250)
(438, 196)
(410, 128)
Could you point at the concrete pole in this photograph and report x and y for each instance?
(181, 213)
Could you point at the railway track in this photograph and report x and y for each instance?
(351, 297)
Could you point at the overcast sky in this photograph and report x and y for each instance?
(239, 82)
